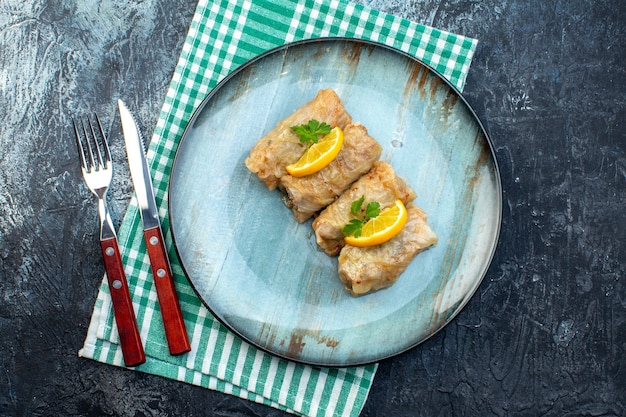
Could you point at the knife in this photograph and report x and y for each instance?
(173, 322)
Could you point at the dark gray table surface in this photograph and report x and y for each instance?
(545, 335)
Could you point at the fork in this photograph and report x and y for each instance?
(97, 170)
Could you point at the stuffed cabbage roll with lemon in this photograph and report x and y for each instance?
(380, 184)
(366, 269)
(281, 146)
(309, 194)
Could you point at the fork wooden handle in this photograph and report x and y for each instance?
(130, 340)
(173, 322)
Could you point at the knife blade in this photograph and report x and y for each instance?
(173, 322)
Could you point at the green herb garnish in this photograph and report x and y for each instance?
(355, 226)
(310, 132)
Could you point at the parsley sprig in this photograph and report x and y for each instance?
(355, 226)
(310, 132)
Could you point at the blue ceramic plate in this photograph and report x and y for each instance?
(261, 273)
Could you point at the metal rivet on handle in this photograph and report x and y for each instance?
(154, 240)
(160, 272)
(117, 284)
(109, 251)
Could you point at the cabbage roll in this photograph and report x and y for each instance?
(281, 147)
(380, 184)
(364, 270)
(311, 193)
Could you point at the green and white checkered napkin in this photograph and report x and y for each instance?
(223, 35)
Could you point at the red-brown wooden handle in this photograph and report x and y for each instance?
(175, 330)
(132, 348)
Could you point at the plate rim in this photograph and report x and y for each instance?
(335, 39)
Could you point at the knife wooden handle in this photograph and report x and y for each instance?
(175, 330)
(130, 340)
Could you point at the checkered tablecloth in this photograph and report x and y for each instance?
(223, 35)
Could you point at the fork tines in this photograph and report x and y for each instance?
(93, 139)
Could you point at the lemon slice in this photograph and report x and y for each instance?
(319, 155)
(381, 228)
